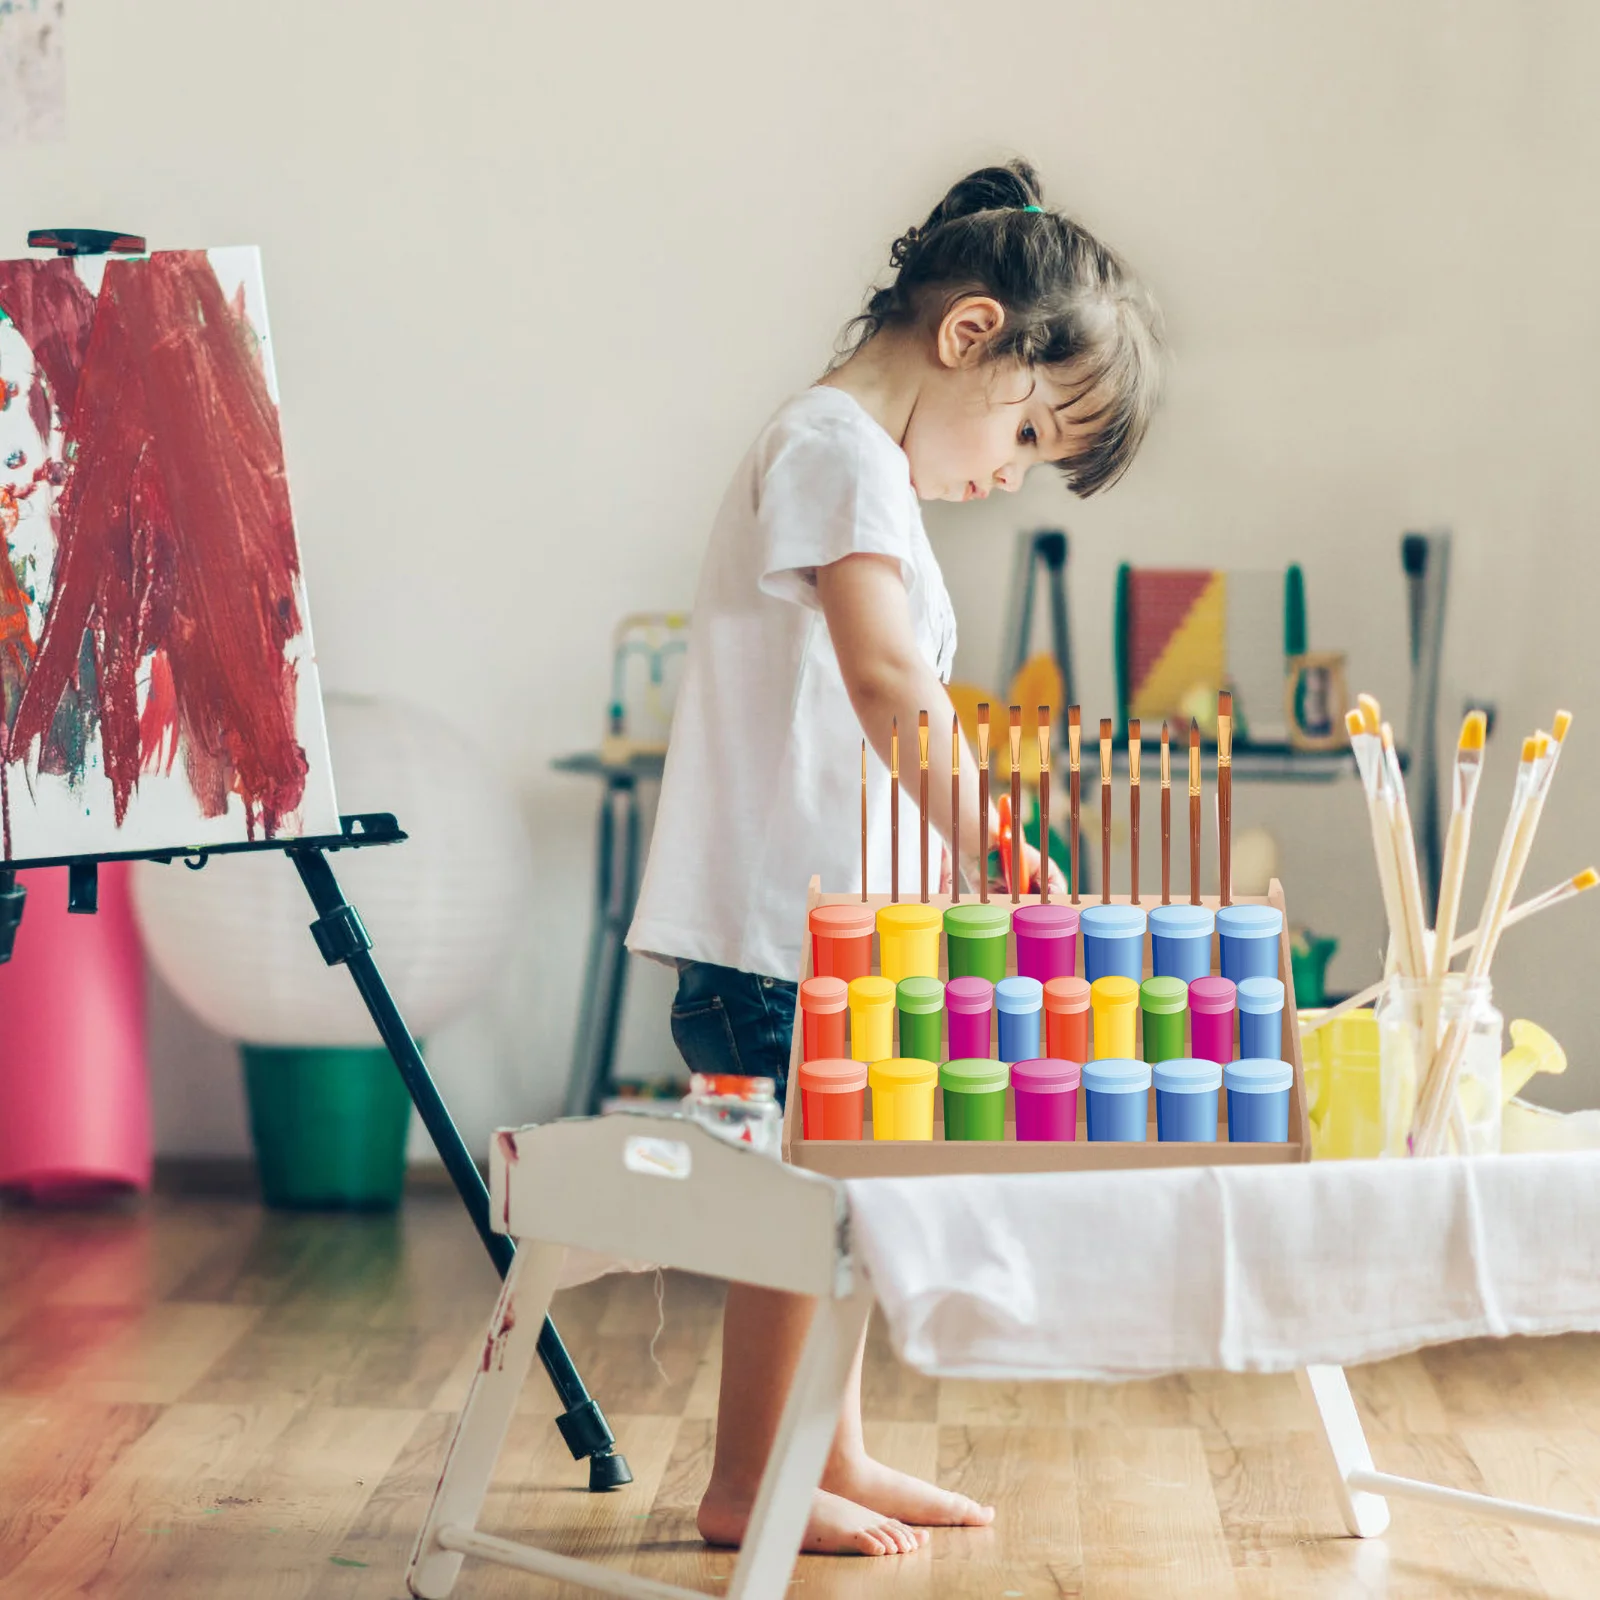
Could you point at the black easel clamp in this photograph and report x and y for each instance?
(341, 935)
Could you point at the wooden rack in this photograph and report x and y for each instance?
(892, 1158)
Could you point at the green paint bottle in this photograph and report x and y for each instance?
(921, 1005)
(1165, 1004)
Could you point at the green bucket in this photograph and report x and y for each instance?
(329, 1126)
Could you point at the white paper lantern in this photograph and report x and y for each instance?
(233, 940)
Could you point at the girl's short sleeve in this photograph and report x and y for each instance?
(831, 490)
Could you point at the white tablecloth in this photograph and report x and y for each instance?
(1245, 1269)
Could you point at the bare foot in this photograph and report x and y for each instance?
(898, 1494)
(837, 1527)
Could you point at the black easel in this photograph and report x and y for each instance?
(344, 941)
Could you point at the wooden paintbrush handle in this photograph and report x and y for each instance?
(1225, 836)
(955, 838)
(1133, 843)
(894, 841)
(1194, 849)
(983, 833)
(1016, 831)
(1074, 799)
(1044, 835)
(1166, 844)
(1105, 840)
(922, 802)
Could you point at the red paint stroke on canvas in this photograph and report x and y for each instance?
(173, 532)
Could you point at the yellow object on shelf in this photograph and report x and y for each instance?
(1532, 1051)
(1343, 1099)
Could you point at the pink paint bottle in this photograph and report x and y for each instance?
(1047, 941)
(1211, 1007)
(969, 1017)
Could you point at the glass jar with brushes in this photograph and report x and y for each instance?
(1442, 1097)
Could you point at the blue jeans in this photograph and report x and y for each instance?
(738, 1022)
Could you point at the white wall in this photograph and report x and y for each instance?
(538, 273)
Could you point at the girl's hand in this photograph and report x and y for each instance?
(1030, 874)
(1030, 871)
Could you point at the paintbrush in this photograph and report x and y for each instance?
(1194, 812)
(1074, 788)
(1105, 810)
(1368, 751)
(894, 811)
(1166, 815)
(1437, 1089)
(1044, 805)
(955, 810)
(1016, 803)
(1133, 810)
(1468, 772)
(983, 802)
(863, 819)
(922, 793)
(1558, 894)
(1225, 798)
(1405, 847)
(1447, 1065)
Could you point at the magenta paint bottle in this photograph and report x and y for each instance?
(969, 1017)
(1212, 1002)
(1047, 941)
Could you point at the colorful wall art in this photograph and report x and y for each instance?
(159, 687)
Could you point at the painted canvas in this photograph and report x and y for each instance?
(33, 80)
(159, 687)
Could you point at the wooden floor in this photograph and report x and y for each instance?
(199, 1400)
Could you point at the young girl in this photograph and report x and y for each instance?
(1008, 337)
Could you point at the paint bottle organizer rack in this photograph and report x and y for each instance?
(892, 1158)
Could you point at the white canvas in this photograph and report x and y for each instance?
(159, 684)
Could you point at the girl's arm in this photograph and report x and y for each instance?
(863, 598)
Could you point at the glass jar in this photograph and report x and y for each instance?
(740, 1110)
(1407, 1015)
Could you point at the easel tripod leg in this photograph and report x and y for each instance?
(343, 941)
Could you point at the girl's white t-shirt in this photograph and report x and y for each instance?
(762, 788)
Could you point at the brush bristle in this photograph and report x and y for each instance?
(1166, 733)
(1074, 717)
(1541, 745)
(1586, 879)
(922, 719)
(1474, 732)
(1355, 724)
(1016, 716)
(1133, 728)
(1105, 727)
(983, 711)
(1225, 704)
(1371, 712)
(1194, 734)
(1530, 749)
(1386, 733)
(1563, 723)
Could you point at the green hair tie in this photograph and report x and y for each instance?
(1039, 209)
